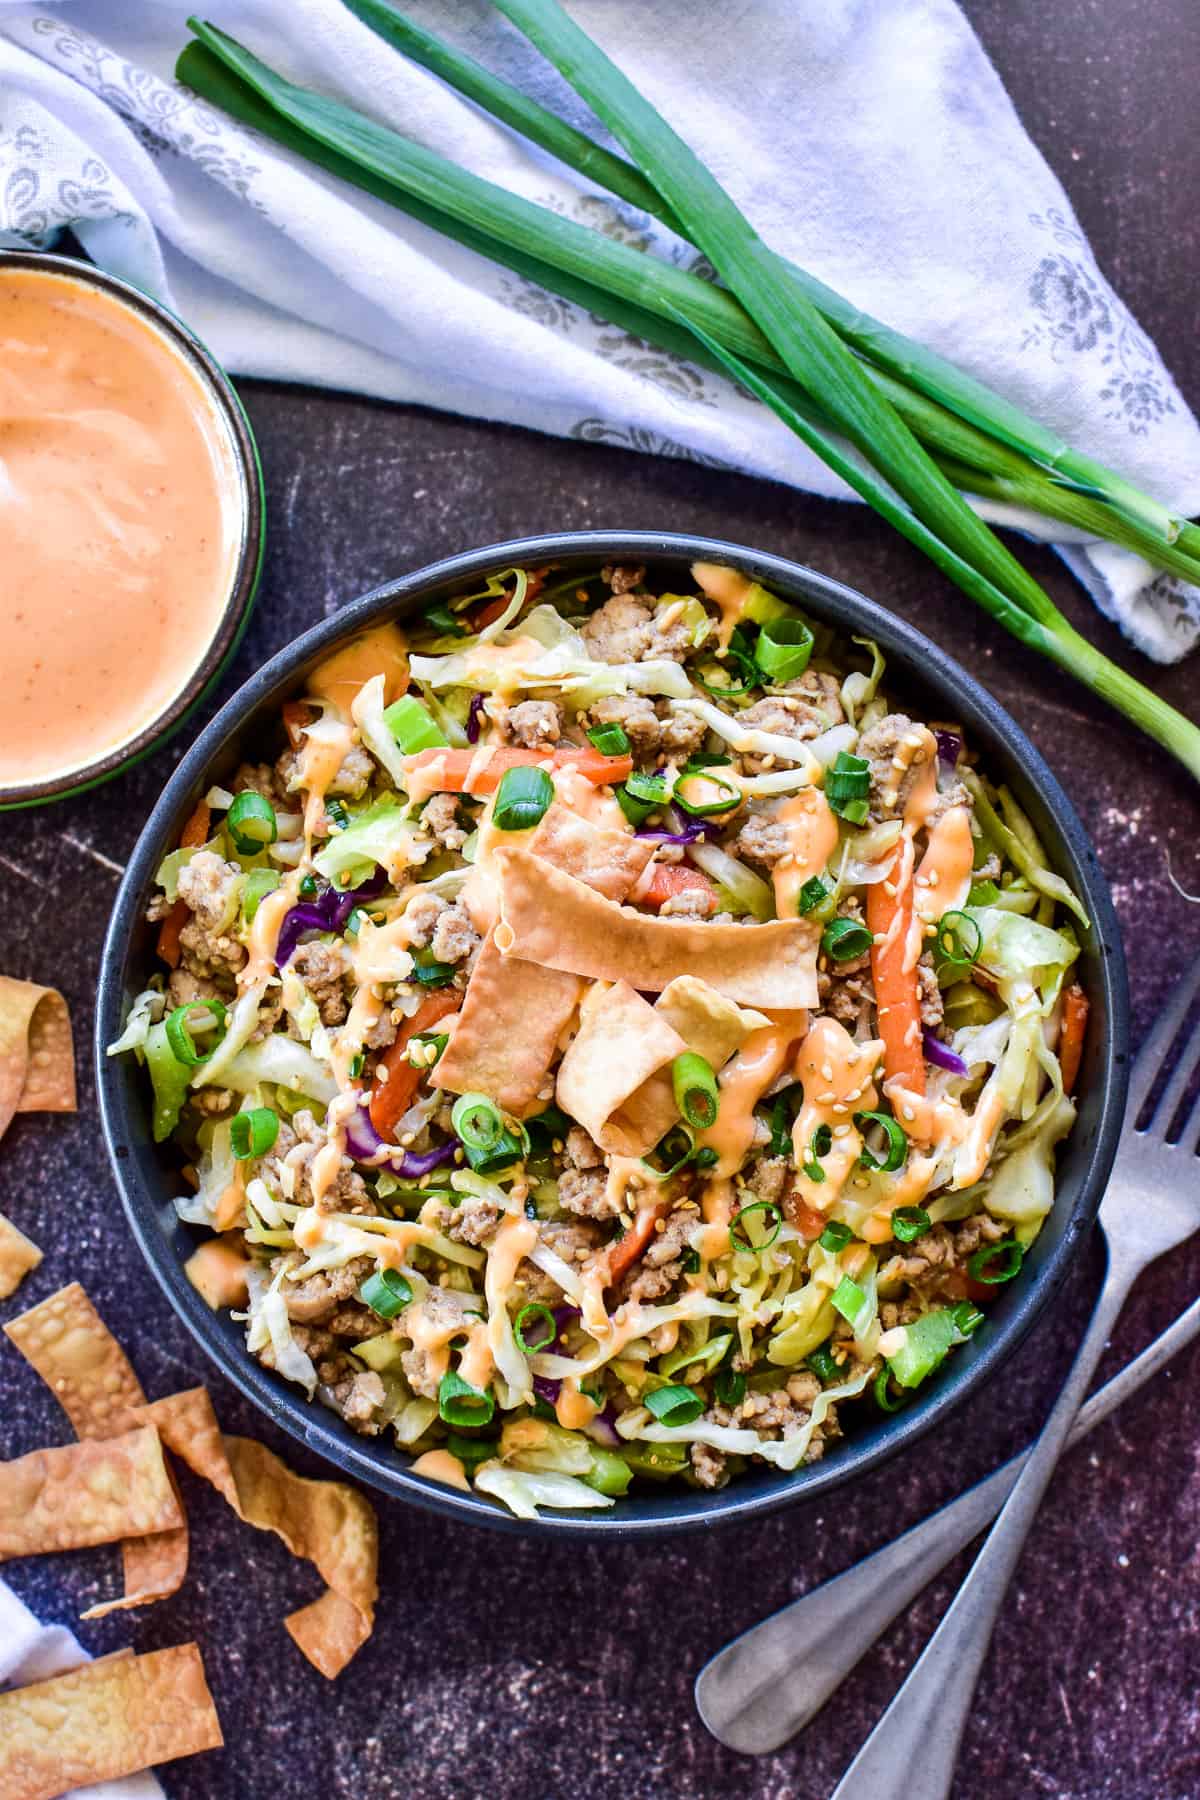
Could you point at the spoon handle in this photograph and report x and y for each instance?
(912, 1752)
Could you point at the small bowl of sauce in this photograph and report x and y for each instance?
(131, 525)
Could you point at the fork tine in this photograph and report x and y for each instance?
(1175, 1089)
(1163, 1033)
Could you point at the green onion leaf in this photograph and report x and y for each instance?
(835, 1236)
(671, 1152)
(705, 1157)
(696, 1093)
(635, 810)
(461, 1404)
(471, 1451)
(253, 1133)
(357, 919)
(983, 893)
(702, 794)
(648, 790)
(882, 1398)
(179, 1027)
(356, 1065)
(897, 1142)
(819, 1145)
(843, 939)
(847, 786)
(910, 1223)
(782, 1108)
(762, 1234)
(729, 1386)
(308, 887)
(420, 1045)
(848, 1299)
(675, 1405)
(522, 798)
(967, 1317)
(812, 894)
(957, 944)
(444, 622)
(610, 740)
(824, 1364)
(412, 726)
(339, 814)
(535, 1314)
(251, 822)
(783, 649)
(997, 1263)
(386, 1292)
(259, 883)
(428, 972)
(926, 1343)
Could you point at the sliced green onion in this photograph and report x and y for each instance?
(675, 1405)
(848, 1299)
(461, 1404)
(651, 790)
(696, 1093)
(428, 972)
(812, 894)
(967, 1317)
(471, 1451)
(897, 1142)
(729, 1386)
(357, 919)
(259, 883)
(308, 887)
(635, 810)
(910, 1223)
(824, 1364)
(843, 939)
(477, 1122)
(781, 1120)
(727, 689)
(535, 1312)
(706, 759)
(767, 1230)
(179, 1031)
(671, 1152)
(702, 794)
(835, 1236)
(339, 815)
(445, 622)
(356, 1065)
(508, 1149)
(413, 726)
(386, 1292)
(983, 893)
(705, 1157)
(610, 740)
(783, 648)
(691, 1262)
(819, 1145)
(253, 1133)
(958, 943)
(251, 822)
(420, 1045)
(848, 779)
(882, 1398)
(997, 1262)
(522, 798)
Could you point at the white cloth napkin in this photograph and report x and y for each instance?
(32, 1652)
(869, 140)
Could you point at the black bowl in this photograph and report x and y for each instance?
(918, 669)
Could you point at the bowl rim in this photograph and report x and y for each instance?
(243, 585)
(850, 612)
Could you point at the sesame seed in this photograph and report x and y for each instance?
(933, 878)
(860, 1181)
(841, 1130)
(826, 1099)
(827, 1071)
(909, 1113)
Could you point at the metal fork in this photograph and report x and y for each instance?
(771, 1682)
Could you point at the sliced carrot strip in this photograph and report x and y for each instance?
(632, 1247)
(392, 1096)
(897, 1004)
(669, 879)
(1076, 1007)
(468, 771)
(194, 833)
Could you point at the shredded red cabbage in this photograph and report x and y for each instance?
(473, 713)
(364, 1142)
(603, 1429)
(682, 831)
(942, 1055)
(949, 748)
(547, 1388)
(328, 912)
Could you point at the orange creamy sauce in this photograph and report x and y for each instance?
(119, 519)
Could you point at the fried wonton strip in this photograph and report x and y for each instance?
(604, 859)
(103, 1721)
(709, 1024)
(87, 1493)
(37, 1064)
(620, 1044)
(506, 1034)
(18, 1255)
(188, 1426)
(330, 1524)
(91, 1377)
(550, 919)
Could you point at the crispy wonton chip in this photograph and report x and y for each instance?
(551, 919)
(605, 859)
(105, 1720)
(709, 1024)
(622, 1041)
(37, 1064)
(90, 1376)
(506, 1033)
(18, 1255)
(87, 1493)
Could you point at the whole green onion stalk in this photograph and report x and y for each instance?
(775, 341)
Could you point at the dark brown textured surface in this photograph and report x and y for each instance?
(503, 1669)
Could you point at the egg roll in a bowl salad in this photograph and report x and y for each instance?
(614, 1040)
